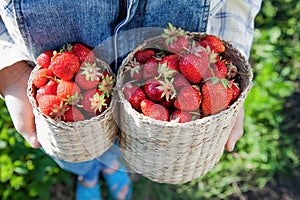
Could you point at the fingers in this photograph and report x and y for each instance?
(23, 119)
(31, 138)
(13, 86)
(237, 132)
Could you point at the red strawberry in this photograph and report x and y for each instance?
(41, 77)
(134, 71)
(134, 95)
(171, 60)
(169, 104)
(82, 51)
(44, 59)
(181, 116)
(216, 95)
(217, 69)
(158, 90)
(145, 106)
(235, 91)
(175, 39)
(180, 81)
(73, 114)
(144, 55)
(152, 91)
(178, 45)
(158, 112)
(106, 84)
(214, 43)
(150, 68)
(49, 88)
(94, 101)
(164, 71)
(221, 69)
(68, 91)
(194, 65)
(51, 106)
(64, 65)
(88, 76)
(188, 99)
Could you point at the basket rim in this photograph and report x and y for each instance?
(142, 117)
(32, 100)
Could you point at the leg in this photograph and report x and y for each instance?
(87, 186)
(115, 174)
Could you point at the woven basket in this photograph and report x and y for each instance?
(75, 141)
(175, 153)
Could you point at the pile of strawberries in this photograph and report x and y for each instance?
(71, 85)
(183, 80)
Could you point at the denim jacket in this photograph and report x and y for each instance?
(47, 24)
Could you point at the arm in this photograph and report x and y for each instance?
(14, 74)
(233, 20)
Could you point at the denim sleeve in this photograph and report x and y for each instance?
(233, 21)
(10, 52)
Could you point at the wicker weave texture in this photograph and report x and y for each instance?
(75, 141)
(175, 153)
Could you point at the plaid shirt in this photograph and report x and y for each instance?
(231, 20)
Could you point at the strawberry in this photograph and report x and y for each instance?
(175, 39)
(44, 59)
(134, 95)
(68, 91)
(169, 104)
(158, 112)
(213, 42)
(188, 99)
(181, 116)
(164, 71)
(88, 76)
(94, 101)
(178, 45)
(221, 69)
(41, 77)
(150, 68)
(72, 114)
(235, 91)
(194, 65)
(49, 88)
(158, 90)
(171, 60)
(216, 95)
(51, 106)
(134, 71)
(217, 69)
(106, 84)
(143, 56)
(152, 91)
(82, 51)
(180, 81)
(64, 65)
(145, 106)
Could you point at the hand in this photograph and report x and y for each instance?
(13, 86)
(237, 131)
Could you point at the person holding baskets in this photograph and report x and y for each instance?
(28, 28)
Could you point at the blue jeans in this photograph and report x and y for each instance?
(90, 170)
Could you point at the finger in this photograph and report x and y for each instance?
(236, 133)
(32, 140)
(23, 119)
